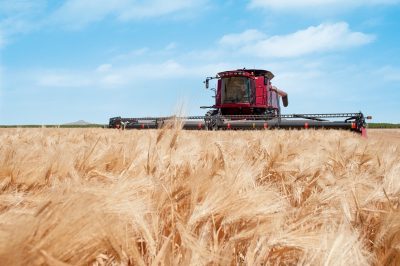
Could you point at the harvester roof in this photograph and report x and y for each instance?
(247, 72)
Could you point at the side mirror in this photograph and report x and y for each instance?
(207, 83)
(285, 100)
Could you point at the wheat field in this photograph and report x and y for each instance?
(173, 197)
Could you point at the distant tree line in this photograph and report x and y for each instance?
(383, 125)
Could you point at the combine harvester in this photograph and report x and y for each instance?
(246, 99)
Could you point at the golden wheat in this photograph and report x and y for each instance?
(106, 197)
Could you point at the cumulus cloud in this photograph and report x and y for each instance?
(389, 73)
(2, 41)
(104, 68)
(20, 6)
(294, 4)
(62, 79)
(79, 13)
(155, 8)
(107, 76)
(19, 16)
(171, 46)
(243, 38)
(321, 38)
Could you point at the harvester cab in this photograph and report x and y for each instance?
(246, 99)
(246, 92)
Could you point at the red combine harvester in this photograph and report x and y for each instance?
(246, 99)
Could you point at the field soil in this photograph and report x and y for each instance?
(173, 197)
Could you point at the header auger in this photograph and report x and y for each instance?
(246, 99)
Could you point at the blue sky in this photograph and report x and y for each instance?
(61, 61)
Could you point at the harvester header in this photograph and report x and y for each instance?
(246, 99)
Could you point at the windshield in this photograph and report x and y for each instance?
(235, 90)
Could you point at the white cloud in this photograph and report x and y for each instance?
(155, 8)
(1, 77)
(20, 6)
(147, 53)
(107, 76)
(104, 68)
(79, 13)
(19, 16)
(171, 46)
(2, 41)
(389, 73)
(295, 4)
(321, 38)
(62, 79)
(132, 55)
(243, 38)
